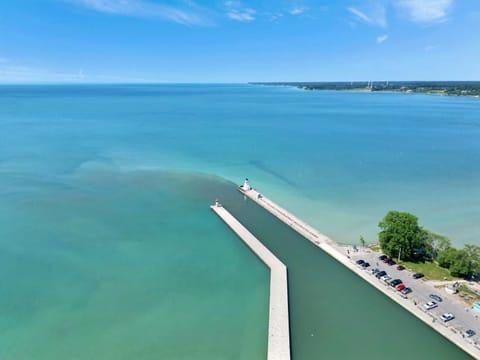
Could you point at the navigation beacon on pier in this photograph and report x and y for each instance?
(246, 186)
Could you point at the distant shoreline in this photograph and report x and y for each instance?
(443, 88)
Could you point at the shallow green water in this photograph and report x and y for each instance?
(80, 279)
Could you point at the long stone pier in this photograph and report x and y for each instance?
(278, 322)
(333, 249)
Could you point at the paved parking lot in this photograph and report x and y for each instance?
(465, 317)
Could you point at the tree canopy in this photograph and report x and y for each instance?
(434, 244)
(473, 252)
(446, 257)
(400, 230)
(461, 262)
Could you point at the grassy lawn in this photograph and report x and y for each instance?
(431, 270)
(375, 248)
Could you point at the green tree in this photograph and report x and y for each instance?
(473, 252)
(400, 230)
(362, 241)
(434, 244)
(447, 257)
(462, 264)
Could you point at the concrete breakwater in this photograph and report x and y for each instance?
(339, 253)
(278, 322)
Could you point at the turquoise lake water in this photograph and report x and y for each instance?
(108, 249)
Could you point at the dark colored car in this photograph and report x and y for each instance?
(391, 262)
(365, 265)
(382, 257)
(418, 275)
(380, 274)
(387, 259)
(406, 291)
(359, 262)
(435, 297)
(400, 267)
(395, 282)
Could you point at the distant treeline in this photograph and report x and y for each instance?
(458, 88)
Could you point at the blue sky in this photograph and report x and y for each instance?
(238, 41)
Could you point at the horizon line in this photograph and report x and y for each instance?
(216, 82)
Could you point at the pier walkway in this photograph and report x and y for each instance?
(278, 322)
(337, 252)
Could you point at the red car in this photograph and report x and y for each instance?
(400, 267)
(400, 287)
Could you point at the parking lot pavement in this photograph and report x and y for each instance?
(465, 316)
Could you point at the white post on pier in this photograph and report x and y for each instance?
(217, 203)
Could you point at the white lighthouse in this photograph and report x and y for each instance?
(246, 186)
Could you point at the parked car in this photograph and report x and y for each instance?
(400, 287)
(365, 265)
(395, 282)
(447, 317)
(387, 259)
(406, 291)
(391, 262)
(430, 305)
(435, 297)
(374, 271)
(418, 275)
(359, 262)
(382, 257)
(380, 274)
(400, 267)
(468, 333)
(386, 278)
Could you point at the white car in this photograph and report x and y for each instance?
(386, 278)
(430, 305)
(447, 317)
